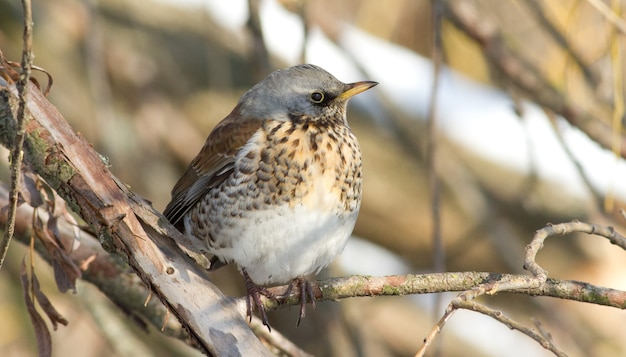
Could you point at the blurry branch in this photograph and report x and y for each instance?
(404, 128)
(127, 225)
(596, 194)
(161, 15)
(618, 100)
(539, 12)
(260, 56)
(432, 157)
(301, 11)
(98, 78)
(609, 15)
(523, 75)
(433, 141)
(18, 138)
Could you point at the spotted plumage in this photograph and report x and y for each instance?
(276, 188)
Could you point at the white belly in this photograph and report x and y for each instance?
(283, 243)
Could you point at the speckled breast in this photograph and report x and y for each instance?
(299, 163)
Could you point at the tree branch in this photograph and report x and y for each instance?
(18, 142)
(496, 315)
(127, 225)
(334, 289)
(539, 280)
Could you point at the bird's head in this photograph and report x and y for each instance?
(300, 91)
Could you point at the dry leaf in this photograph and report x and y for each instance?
(29, 189)
(65, 270)
(47, 307)
(44, 340)
(8, 72)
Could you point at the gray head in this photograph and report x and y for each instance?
(303, 90)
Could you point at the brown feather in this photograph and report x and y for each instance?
(211, 166)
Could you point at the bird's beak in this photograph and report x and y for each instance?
(356, 88)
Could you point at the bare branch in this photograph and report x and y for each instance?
(434, 332)
(496, 315)
(561, 229)
(540, 13)
(16, 149)
(433, 138)
(472, 284)
(539, 280)
(510, 323)
(129, 226)
(260, 55)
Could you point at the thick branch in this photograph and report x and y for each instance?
(98, 267)
(127, 225)
(112, 276)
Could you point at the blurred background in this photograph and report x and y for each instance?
(527, 131)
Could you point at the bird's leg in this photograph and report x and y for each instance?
(253, 295)
(306, 291)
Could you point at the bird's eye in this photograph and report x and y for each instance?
(317, 97)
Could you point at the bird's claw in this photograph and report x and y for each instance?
(306, 292)
(253, 296)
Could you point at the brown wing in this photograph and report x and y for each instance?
(211, 166)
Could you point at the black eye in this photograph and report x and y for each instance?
(317, 97)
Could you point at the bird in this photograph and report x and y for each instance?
(276, 188)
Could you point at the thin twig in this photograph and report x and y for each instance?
(260, 56)
(618, 107)
(16, 152)
(495, 314)
(595, 193)
(510, 323)
(434, 332)
(541, 14)
(524, 284)
(276, 340)
(541, 235)
(605, 11)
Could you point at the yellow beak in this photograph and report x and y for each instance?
(356, 88)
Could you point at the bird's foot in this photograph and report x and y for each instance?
(306, 291)
(253, 296)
